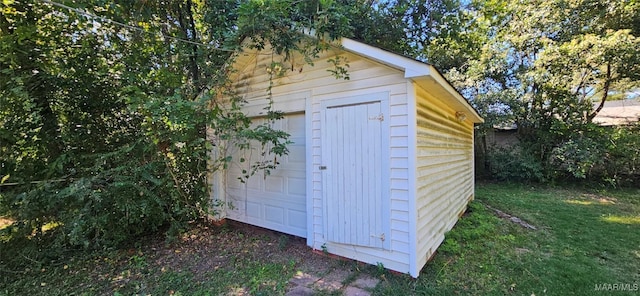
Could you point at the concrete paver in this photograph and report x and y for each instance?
(300, 291)
(303, 279)
(306, 284)
(354, 291)
(366, 282)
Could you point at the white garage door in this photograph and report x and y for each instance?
(276, 201)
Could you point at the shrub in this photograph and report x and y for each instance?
(578, 157)
(595, 154)
(622, 160)
(157, 181)
(513, 164)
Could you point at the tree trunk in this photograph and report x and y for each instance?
(605, 94)
(185, 17)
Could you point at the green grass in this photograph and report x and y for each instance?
(584, 238)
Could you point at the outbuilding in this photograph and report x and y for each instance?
(381, 164)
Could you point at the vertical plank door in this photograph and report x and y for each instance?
(353, 187)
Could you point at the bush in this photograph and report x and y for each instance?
(512, 164)
(127, 195)
(157, 181)
(578, 157)
(622, 160)
(599, 155)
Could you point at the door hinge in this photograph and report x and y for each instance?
(381, 237)
(379, 117)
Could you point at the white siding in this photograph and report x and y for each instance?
(428, 155)
(366, 77)
(444, 171)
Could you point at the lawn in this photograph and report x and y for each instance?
(583, 239)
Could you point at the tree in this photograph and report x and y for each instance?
(104, 107)
(546, 63)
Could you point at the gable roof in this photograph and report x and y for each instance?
(422, 73)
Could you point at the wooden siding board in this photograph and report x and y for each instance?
(256, 73)
(437, 206)
(399, 205)
(444, 176)
(321, 81)
(325, 86)
(399, 141)
(400, 235)
(400, 246)
(399, 183)
(395, 260)
(399, 152)
(400, 173)
(399, 162)
(437, 186)
(398, 120)
(400, 215)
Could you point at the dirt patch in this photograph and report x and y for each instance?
(208, 248)
(599, 198)
(512, 218)
(233, 257)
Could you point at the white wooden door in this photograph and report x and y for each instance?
(352, 158)
(275, 201)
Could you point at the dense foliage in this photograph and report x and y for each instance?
(105, 105)
(548, 67)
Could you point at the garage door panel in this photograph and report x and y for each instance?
(274, 184)
(296, 186)
(297, 154)
(260, 196)
(253, 210)
(295, 125)
(298, 218)
(276, 200)
(255, 182)
(274, 214)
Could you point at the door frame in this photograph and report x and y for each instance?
(383, 99)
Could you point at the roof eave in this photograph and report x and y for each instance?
(413, 69)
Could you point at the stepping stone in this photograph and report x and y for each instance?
(366, 282)
(354, 291)
(332, 281)
(303, 279)
(329, 286)
(300, 291)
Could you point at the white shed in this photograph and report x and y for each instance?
(381, 165)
